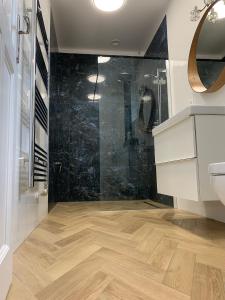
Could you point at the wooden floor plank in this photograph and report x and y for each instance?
(151, 288)
(160, 258)
(180, 272)
(126, 250)
(72, 259)
(19, 291)
(62, 287)
(119, 290)
(207, 283)
(150, 242)
(92, 287)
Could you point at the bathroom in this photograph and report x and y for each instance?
(112, 166)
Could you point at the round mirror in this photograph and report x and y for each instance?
(206, 67)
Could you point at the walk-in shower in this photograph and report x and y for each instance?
(102, 114)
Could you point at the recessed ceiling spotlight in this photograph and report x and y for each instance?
(96, 78)
(94, 97)
(109, 5)
(115, 43)
(103, 59)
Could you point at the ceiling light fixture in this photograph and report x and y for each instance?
(216, 13)
(109, 5)
(219, 8)
(94, 97)
(103, 59)
(96, 78)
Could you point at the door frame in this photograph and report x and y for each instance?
(8, 30)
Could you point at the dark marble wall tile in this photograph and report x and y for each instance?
(158, 49)
(74, 130)
(159, 45)
(101, 150)
(126, 149)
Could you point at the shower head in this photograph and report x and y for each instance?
(150, 75)
(162, 70)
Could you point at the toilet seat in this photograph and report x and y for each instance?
(217, 174)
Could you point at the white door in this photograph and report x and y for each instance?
(16, 85)
(8, 72)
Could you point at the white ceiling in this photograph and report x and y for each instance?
(81, 28)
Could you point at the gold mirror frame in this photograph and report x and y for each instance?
(193, 75)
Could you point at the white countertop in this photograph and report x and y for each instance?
(187, 112)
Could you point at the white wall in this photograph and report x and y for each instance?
(180, 33)
(30, 204)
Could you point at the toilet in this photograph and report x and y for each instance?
(217, 178)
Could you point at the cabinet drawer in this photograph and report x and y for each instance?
(176, 143)
(179, 179)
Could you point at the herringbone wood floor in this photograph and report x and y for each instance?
(121, 250)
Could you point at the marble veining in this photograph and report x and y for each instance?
(159, 45)
(99, 150)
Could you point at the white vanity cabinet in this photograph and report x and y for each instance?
(184, 147)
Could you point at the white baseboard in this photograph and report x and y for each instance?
(213, 210)
(5, 271)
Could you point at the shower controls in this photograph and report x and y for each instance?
(58, 167)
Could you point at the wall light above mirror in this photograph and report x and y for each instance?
(206, 66)
(216, 13)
